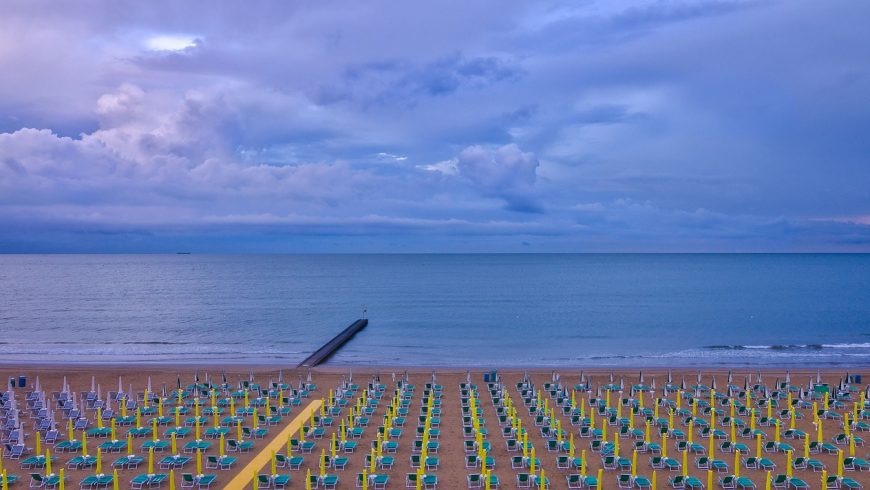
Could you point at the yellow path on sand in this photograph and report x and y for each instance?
(244, 478)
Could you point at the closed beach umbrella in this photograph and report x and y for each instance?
(172, 476)
(199, 462)
(48, 462)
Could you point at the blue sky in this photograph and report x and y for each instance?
(484, 126)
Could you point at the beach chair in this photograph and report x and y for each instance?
(574, 480)
(677, 481)
(779, 481)
(279, 482)
(524, 480)
(797, 484)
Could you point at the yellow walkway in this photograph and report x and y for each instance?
(244, 478)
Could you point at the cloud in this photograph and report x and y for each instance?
(601, 125)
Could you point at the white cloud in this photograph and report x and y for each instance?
(170, 42)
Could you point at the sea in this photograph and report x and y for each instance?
(476, 310)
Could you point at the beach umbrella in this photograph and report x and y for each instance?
(634, 464)
(736, 464)
(308, 479)
(709, 479)
(758, 446)
(171, 479)
(685, 463)
(712, 449)
(806, 447)
(788, 468)
(129, 444)
(84, 443)
(62, 478)
(664, 445)
(767, 481)
(616, 444)
(99, 461)
(174, 444)
(840, 463)
(199, 462)
(222, 446)
(48, 462)
(38, 441)
(150, 460)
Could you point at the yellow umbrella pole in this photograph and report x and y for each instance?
(274, 466)
(198, 462)
(48, 462)
(38, 443)
(150, 460)
(62, 477)
(99, 461)
(171, 479)
(115, 479)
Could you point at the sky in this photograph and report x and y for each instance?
(450, 126)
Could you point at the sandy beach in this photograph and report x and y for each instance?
(451, 472)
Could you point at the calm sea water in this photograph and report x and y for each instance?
(482, 310)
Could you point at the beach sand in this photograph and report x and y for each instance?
(452, 472)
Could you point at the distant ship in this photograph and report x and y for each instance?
(182, 253)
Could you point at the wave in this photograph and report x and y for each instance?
(789, 347)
